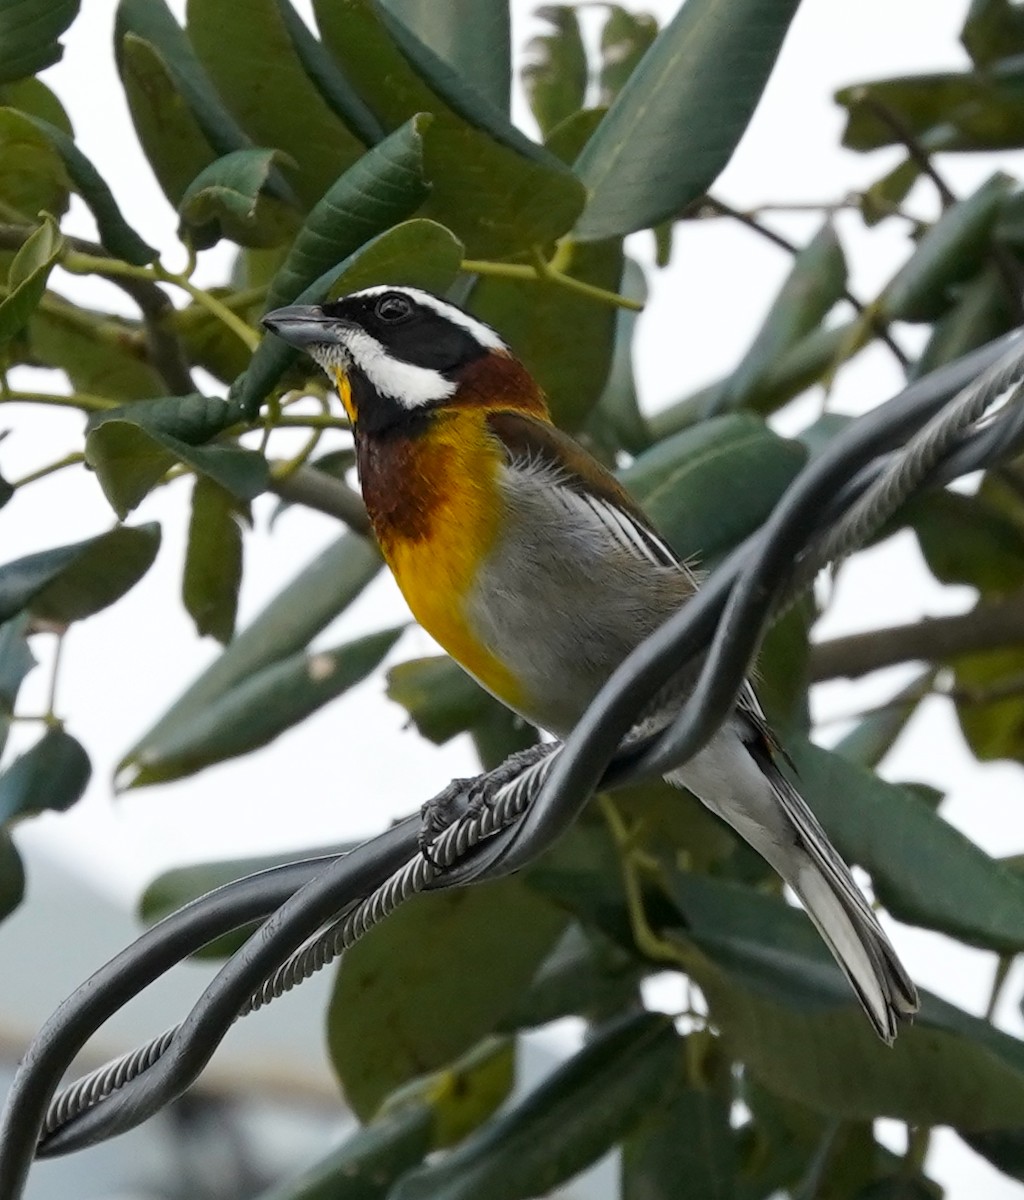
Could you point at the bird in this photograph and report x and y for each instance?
(535, 569)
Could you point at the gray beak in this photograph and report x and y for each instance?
(302, 325)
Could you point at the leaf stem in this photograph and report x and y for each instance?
(1002, 973)
(69, 460)
(216, 308)
(51, 701)
(80, 400)
(549, 272)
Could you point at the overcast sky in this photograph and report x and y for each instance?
(349, 770)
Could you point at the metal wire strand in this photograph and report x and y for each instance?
(549, 794)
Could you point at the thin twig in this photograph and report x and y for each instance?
(874, 321)
(908, 139)
(990, 626)
(318, 490)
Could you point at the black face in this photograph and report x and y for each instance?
(409, 330)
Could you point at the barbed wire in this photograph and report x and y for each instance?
(856, 483)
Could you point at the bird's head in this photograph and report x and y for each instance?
(397, 354)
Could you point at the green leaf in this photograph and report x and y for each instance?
(691, 1139)
(416, 253)
(578, 1113)
(152, 21)
(264, 84)
(625, 39)
(556, 72)
(425, 986)
(34, 179)
(786, 1011)
(70, 583)
(35, 99)
(678, 119)
(16, 660)
(994, 29)
(383, 187)
(470, 37)
(783, 673)
(368, 1163)
(584, 975)
(29, 30)
(297, 614)
(213, 561)
(496, 190)
(100, 354)
(171, 137)
(193, 418)
(256, 711)
(990, 702)
(12, 876)
(951, 251)
(884, 197)
(26, 281)
(227, 199)
(564, 339)
(678, 479)
(814, 285)
(977, 540)
(874, 735)
(618, 403)
(906, 846)
(982, 312)
(339, 95)
(52, 774)
(129, 459)
(116, 235)
(1003, 1148)
(209, 343)
(982, 110)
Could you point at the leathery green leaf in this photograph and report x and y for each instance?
(29, 30)
(116, 234)
(994, 29)
(130, 458)
(618, 403)
(980, 314)
(69, 583)
(990, 702)
(676, 477)
(52, 774)
(33, 97)
(264, 84)
(34, 178)
(496, 190)
(874, 735)
(16, 660)
(227, 199)
(676, 122)
(977, 540)
(171, 137)
(368, 1162)
(26, 280)
(950, 252)
(556, 71)
(565, 339)
(383, 187)
(256, 711)
(423, 987)
(785, 1010)
(471, 38)
(417, 253)
(626, 1070)
(213, 560)
(303, 608)
(906, 846)
(12, 876)
(815, 283)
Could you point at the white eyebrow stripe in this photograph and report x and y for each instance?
(405, 383)
(484, 334)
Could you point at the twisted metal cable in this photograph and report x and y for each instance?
(755, 567)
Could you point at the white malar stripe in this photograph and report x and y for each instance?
(405, 383)
(484, 334)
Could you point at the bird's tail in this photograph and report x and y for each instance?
(780, 827)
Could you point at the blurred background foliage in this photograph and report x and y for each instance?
(377, 147)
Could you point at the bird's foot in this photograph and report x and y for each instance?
(469, 797)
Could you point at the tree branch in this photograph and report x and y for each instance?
(317, 490)
(935, 639)
(162, 343)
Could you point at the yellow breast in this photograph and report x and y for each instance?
(436, 510)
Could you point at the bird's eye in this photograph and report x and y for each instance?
(393, 307)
